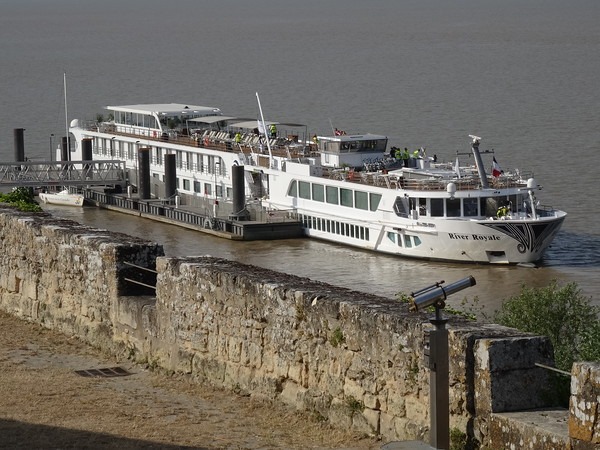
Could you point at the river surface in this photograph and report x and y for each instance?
(522, 74)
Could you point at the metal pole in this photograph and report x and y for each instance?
(439, 399)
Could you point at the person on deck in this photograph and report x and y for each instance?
(273, 131)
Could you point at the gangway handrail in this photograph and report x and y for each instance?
(62, 173)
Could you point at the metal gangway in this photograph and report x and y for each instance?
(62, 173)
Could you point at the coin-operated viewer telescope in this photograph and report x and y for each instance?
(439, 403)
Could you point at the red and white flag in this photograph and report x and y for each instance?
(496, 170)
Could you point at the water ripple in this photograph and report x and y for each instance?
(573, 250)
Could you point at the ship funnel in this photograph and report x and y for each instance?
(480, 169)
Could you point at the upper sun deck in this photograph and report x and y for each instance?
(342, 157)
(167, 109)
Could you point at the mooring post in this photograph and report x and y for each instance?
(144, 173)
(19, 144)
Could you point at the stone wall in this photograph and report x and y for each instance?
(356, 359)
(584, 417)
(67, 276)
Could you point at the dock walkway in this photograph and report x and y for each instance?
(275, 227)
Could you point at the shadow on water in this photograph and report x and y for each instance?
(22, 435)
(573, 250)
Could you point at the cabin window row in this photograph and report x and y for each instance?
(457, 207)
(335, 196)
(183, 160)
(406, 241)
(335, 227)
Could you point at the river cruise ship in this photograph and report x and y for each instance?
(345, 188)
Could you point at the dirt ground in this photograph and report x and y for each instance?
(44, 403)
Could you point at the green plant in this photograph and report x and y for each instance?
(566, 317)
(563, 314)
(458, 439)
(22, 199)
(337, 337)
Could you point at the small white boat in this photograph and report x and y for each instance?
(62, 198)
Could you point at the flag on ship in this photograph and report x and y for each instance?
(496, 170)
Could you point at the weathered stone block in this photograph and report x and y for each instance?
(584, 419)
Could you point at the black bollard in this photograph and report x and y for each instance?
(65, 150)
(170, 176)
(87, 155)
(239, 204)
(144, 173)
(19, 145)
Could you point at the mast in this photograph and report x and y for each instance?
(265, 130)
(478, 161)
(66, 119)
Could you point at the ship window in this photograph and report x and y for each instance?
(328, 226)
(515, 203)
(332, 195)
(437, 207)
(392, 236)
(304, 190)
(470, 207)
(346, 197)
(347, 226)
(400, 208)
(207, 189)
(366, 234)
(407, 241)
(293, 189)
(374, 201)
(422, 207)
(186, 185)
(337, 228)
(219, 190)
(453, 207)
(197, 186)
(361, 200)
(490, 206)
(318, 192)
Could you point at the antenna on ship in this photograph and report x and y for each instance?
(264, 127)
(66, 118)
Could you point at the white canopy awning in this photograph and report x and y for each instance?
(214, 119)
(251, 124)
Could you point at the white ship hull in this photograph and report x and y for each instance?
(422, 210)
